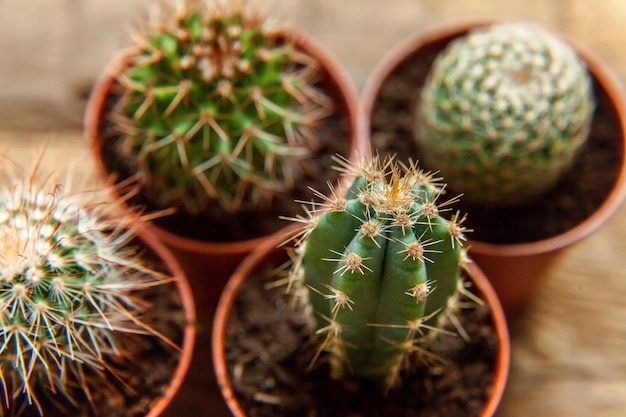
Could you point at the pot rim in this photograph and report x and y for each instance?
(189, 331)
(599, 70)
(338, 78)
(247, 267)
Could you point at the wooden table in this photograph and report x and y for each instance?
(568, 344)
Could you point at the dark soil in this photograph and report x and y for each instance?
(268, 355)
(144, 369)
(216, 225)
(579, 193)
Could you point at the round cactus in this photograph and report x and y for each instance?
(504, 112)
(70, 293)
(380, 269)
(216, 108)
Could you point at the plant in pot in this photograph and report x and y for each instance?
(529, 127)
(383, 313)
(224, 117)
(96, 320)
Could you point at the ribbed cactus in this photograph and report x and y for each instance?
(216, 107)
(70, 294)
(504, 112)
(382, 267)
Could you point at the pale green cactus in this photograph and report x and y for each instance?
(380, 269)
(71, 286)
(504, 112)
(217, 108)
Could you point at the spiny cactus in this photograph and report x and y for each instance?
(504, 112)
(70, 293)
(381, 268)
(217, 108)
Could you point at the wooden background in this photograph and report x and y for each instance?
(569, 344)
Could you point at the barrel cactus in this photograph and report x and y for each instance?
(71, 305)
(504, 112)
(216, 108)
(380, 269)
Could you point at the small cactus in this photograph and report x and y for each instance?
(71, 305)
(380, 268)
(216, 108)
(504, 112)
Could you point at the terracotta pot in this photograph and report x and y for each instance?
(268, 253)
(208, 264)
(516, 270)
(173, 268)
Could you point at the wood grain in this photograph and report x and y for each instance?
(568, 344)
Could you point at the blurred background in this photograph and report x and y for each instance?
(569, 344)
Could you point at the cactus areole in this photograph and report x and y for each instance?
(504, 112)
(71, 302)
(216, 108)
(382, 269)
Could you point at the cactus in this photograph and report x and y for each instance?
(380, 269)
(71, 287)
(217, 109)
(504, 112)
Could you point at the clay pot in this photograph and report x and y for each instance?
(269, 254)
(516, 270)
(173, 268)
(208, 264)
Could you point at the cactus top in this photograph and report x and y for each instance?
(504, 111)
(217, 108)
(69, 287)
(380, 268)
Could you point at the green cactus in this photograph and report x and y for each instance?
(71, 285)
(217, 108)
(380, 269)
(504, 112)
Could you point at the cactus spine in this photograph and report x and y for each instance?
(71, 305)
(216, 108)
(504, 112)
(382, 267)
